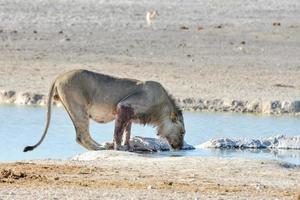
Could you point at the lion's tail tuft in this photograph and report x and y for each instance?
(28, 148)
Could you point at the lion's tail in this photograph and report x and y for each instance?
(50, 98)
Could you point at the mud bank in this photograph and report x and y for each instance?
(275, 107)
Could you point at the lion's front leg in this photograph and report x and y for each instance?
(126, 136)
(123, 120)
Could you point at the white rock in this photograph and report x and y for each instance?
(274, 142)
(137, 144)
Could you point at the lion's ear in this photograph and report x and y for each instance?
(173, 117)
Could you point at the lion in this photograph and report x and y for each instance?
(89, 95)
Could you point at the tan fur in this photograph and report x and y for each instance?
(86, 94)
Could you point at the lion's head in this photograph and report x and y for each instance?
(172, 129)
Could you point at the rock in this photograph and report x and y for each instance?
(188, 101)
(285, 107)
(238, 106)
(260, 186)
(139, 143)
(266, 107)
(184, 28)
(7, 96)
(274, 142)
(170, 183)
(200, 28)
(10, 174)
(276, 24)
(253, 106)
(283, 85)
(295, 106)
(22, 98)
(275, 105)
(27, 98)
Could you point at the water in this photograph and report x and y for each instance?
(23, 125)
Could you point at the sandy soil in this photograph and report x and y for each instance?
(238, 55)
(127, 176)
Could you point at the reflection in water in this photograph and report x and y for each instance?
(292, 156)
(283, 153)
(278, 153)
(21, 126)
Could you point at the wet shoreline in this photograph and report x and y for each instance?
(274, 107)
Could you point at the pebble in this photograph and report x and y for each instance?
(200, 28)
(184, 28)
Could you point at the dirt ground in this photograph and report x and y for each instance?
(236, 50)
(127, 176)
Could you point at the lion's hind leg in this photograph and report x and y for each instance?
(84, 138)
(80, 118)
